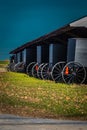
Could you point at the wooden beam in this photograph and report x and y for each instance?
(73, 35)
(59, 40)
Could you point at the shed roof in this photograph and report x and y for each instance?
(76, 29)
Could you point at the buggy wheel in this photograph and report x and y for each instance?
(74, 72)
(46, 72)
(39, 70)
(19, 67)
(29, 68)
(11, 67)
(56, 73)
(16, 66)
(34, 70)
(8, 67)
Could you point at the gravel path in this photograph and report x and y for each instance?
(11, 122)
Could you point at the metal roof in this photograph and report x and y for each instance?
(77, 29)
(79, 23)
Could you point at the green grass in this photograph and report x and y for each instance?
(4, 63)
(24, 95)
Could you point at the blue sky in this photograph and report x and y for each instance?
(25, 20)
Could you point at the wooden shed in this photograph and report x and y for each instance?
(67, 44)
(76, 29)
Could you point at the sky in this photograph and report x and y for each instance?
(22, 21)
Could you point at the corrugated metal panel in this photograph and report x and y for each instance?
(24, 55)
(18, 56)
(51, 53)
(81, 51)
(39, 54)
(77, 51)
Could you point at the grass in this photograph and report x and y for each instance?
(27, 96)
(4, 63)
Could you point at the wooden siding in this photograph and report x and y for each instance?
(31, 55)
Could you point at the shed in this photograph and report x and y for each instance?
(56, 46)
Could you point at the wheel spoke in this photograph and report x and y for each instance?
(45, 73)
(29, 68)
(77, 72)
(80, 70)
(59, 76)
(56, 71)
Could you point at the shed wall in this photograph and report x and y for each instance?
(71, 49)
(18, 57)
(31, 55)
(16, 61)
(21, 56)
(24, 55)
(45, 53)
(57, 53)
(39, 51)
(81, 51)
(77, 50)
(12, 58)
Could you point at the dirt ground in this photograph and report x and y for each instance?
(2, 70)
